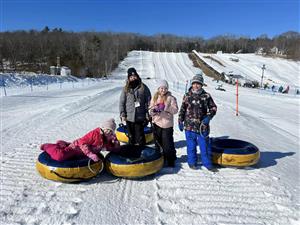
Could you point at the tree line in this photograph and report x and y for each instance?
(95, 54)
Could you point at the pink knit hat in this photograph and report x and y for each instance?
(109, 124)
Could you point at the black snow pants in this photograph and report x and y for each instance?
(164, 137)
(136, 133)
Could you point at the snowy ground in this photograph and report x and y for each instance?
(278, 71)
(265, 194)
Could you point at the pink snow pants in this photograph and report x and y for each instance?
(60, 151)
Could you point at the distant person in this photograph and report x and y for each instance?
(134, 102)
(273, 88)
(196, 111)
(280, 89)
(286, 91)
(162, 108)
(101, 138)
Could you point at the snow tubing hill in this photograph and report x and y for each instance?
(231, 152)
(134, 162)
(122, 133)
(67, 171)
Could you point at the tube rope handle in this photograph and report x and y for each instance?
(79, 178)
(208, 130)
(67, 178)
(90, 168)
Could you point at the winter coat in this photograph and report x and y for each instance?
(129, 96)
(165, 118)
(196, 106)
(88, 145)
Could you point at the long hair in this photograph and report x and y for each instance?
(126, 88)
(155, 97)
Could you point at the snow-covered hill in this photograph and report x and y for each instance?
(264, 194)
(278, 71)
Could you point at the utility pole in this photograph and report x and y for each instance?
(262, 75)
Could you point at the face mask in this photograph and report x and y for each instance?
(133, 84)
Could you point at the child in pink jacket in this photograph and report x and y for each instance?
(101, 138)
(162, 108)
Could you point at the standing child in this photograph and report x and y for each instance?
(101, 138)
(197, 109)
(162, 108)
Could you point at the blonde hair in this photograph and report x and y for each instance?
(155, 97)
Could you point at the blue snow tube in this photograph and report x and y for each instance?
(232, 152)
(134, 161)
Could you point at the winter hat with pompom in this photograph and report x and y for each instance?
(163, 83)
(109, 124)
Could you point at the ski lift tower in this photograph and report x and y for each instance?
(262, 74)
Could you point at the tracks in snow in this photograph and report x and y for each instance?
(231, 196)
(27, 198)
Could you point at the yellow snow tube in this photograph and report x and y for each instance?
(231, 152)
(122, 134)
(67, 171)
(134, 162)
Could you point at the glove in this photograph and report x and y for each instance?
(206, 120)
(180, 126)
(123, 120)
(160, 106)
(155, 110)
(93, 157)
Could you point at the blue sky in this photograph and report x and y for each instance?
(185, 18)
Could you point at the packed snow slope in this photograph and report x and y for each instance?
(278, 71)
(267, 193)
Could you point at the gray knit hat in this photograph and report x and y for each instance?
(163, 83)
(198, 78)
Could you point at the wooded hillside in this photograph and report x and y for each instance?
(97, 53)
